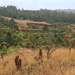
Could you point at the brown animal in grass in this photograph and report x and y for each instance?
(18, 62)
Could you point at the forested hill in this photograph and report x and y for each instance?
(48, 16)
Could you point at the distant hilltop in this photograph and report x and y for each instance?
(24, 23)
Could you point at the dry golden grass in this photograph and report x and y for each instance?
(60, 63)
(24, 22)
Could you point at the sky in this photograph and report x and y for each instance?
(38, 4)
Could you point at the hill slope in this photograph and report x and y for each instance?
(23, 22)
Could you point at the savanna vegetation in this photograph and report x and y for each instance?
(48, 16)
(44, 40)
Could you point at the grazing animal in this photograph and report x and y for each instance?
(18, 62)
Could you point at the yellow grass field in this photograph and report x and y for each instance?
(60, 63)
(23, 22)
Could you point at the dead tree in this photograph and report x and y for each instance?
(18, 62)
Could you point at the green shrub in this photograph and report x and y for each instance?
(18, 46)
(4, 49)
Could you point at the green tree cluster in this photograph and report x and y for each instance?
(38, 15)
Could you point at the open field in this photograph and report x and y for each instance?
(23, 22)
(60, 63)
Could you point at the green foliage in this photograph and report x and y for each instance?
(13, 48)
(33, 38)
(18, 46)
(16, 38)
(3, 33)
(73, 35)
(9, 38)
(43, 15)
(60, 30)
(34, 27)
(11, 8)
(59, 41)
(13, 39)
(25, 35)
(67, 43)
(39, 47)
(37, 39)
(12, 23)
(3, 49)
(45, 28)
(1, 20)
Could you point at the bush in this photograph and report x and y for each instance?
(4, 49)
(18, 46)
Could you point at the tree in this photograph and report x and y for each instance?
(3, 49)
(34, 27)
(10, 7)
(50, 45)
(9, 38)
(45, 28)
(12, 23)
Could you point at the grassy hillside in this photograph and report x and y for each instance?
(23, 22)
(47, 52)
(60, 63)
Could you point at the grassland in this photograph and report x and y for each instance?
(60, 63)
(23, 22)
